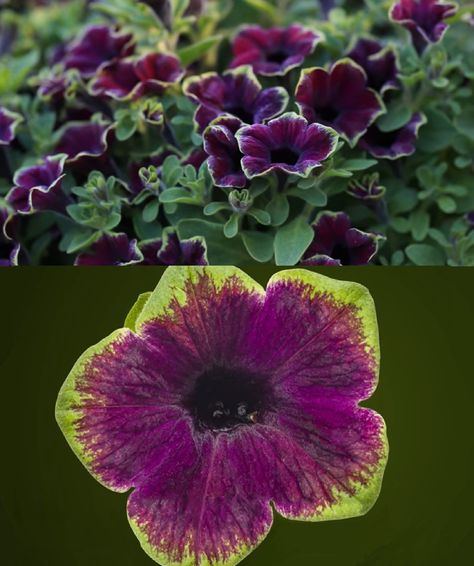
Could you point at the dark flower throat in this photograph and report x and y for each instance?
(223, 399)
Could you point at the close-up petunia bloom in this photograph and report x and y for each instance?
(394, 144)
(337, 243)
(133, 78)
(225, 157)
(170, 250)
(38, 187)
(379, 63)
(8, 123)
(287, 144)
(220, 403)
(237, 92)
(99, 44)
(339, 98)
(424, 19)
(111, 249)
(273, 51)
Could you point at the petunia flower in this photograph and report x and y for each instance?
(394, 144)
(337, 243)
(196, 158)
(130, 79)
(379, 63)
(424, 19)
(273, 51)
(8, 123)
(9, 247)
(367, 189)
(237, 92)
(339, 98)
(169, 250)
(220, 404)
(225, 157)
(38, 187)
(287, 144)
(111, 249)
(98, 45)
(84, 140)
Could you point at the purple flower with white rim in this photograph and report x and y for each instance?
(424, 19)
(220, 403)
(8, 123)
(97, 46)
(337, 243)
(237, 92)
(339, 98)
(394, 144)
(287, 144)
(39, 187)
(9, 248)
(225, 157)
(170, 250)
(130, 79)
(379, 63)
(274, 51)
(80, 140)
(111, 249)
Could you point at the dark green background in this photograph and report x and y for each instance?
(53, 513)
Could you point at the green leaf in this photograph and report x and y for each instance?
(126, 127)
(292, 240)
(192, 53)
(150, 211)
(314, 196)
(261, 216)
(447, 204)
(214, 207)
(177, 194)
(359, 164)
(437, 134)
(398, 114)
(465, 122)
(81, 240)
(231, 227)
(259, 245)
(424, 254)
(420, 224)
(278, 209)
(263, 6)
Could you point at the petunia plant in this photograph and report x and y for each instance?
(225, 131)
(221, 403)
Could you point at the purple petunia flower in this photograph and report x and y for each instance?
(221, 403)
(38, 187)
(84, 140)
(196, 158)
(8, 123)
(288, 144)
(9, 248)
(111, 249)
(225, 156)
(130, 79)
(337, 243)
(237, 92)
(394, 144)
(379, 63)
(273, 51)
(339, 98)
(169, 250)
(424, 19)
(368, 189)
(97, 46)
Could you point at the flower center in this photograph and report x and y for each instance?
(223, 399)
(341, 253)
(284, 155)
(278, 56)
(240, 112)
(326, 114)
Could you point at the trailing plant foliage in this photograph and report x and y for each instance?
(177, 131)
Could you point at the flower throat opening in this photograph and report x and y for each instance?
(223, 399)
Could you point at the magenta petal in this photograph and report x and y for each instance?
(339, 98)
(8, 124)
(171, 251)
(273, 51)
(111, 249)
(99, 44)
(424, 19)
(395, 144)
(84, 139)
